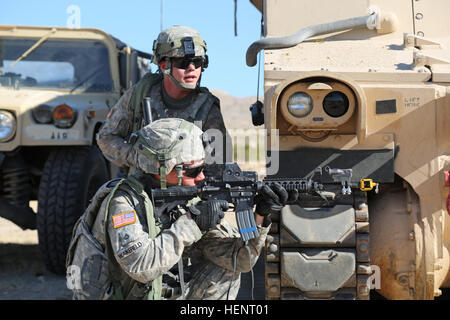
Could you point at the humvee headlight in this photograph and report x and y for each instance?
(7, 126)
(300, 104)
(64, 116)
(42, 114)
(335, 104)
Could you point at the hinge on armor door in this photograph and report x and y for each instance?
(411, 40)
(422, 59)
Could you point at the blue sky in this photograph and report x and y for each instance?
(138, 22)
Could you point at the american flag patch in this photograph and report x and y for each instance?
(123, 219)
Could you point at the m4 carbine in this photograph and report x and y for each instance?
(230, 184)
(240, 188)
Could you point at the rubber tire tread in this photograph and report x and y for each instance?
(62, 198)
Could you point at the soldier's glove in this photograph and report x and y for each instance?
(207, 214)
(272, 199)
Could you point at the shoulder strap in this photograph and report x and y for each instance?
(157, 103)
(153, 230)
(108, 201)
(118, 295)
(139, 92)
(203, 112)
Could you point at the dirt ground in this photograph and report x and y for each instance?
(23, 275)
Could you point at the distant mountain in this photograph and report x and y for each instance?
(235, 111)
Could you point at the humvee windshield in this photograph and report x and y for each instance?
(66, 65)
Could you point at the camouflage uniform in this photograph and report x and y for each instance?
(139, 259)
(200, 106)
(214, 275)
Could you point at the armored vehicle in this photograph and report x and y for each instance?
(56, 88)
(357, 102)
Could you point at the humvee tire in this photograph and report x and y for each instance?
(70, 178)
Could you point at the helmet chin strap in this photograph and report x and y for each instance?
(179, 169)
(182, 86)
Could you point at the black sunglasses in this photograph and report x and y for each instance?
(185, 62)
(192, 172)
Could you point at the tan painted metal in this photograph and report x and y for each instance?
(407, 60)
(20, 102)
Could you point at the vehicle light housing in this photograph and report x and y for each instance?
(335, 104)
(8, 125)
(64, 116)
(300, 104)
(43, 114)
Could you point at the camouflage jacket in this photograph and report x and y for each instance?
(121, 119)
(218, 259)
(140, 259)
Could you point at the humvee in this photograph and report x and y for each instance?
(57, 86)
(358, 93)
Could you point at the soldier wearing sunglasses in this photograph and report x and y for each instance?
(174, 92)
(141, 246)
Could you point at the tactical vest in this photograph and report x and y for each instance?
(150, 86)
(89, 263)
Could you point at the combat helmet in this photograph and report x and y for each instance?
(166, 144)
(179, 41)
